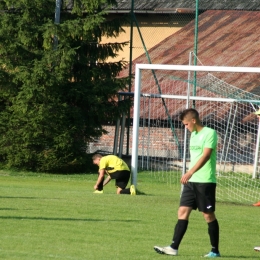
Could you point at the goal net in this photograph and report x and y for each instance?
(225, 98)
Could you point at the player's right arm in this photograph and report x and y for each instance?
(107, 180)
(199, 164)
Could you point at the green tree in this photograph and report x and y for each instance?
(55, 98)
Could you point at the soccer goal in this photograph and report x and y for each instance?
(225, 98)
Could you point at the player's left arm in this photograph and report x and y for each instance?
(198, 165)
(100, 178)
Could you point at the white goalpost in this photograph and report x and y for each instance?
(159, 141)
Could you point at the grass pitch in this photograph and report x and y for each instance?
(46, 216)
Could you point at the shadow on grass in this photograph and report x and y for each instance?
(29, 198)
(68, 219)
(8, 209)
(138, 192)
(239, 257)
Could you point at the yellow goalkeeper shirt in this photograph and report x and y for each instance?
(112, 163)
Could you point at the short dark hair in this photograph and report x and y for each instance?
(189, 111)
(95, 156)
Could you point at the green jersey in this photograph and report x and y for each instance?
(112, 163)
(206, 138)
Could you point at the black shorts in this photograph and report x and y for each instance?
(121, 177)
(201, 196)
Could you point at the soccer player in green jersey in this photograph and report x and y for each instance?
(116, 169)
(199, 184)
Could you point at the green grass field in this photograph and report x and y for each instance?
(58, 217)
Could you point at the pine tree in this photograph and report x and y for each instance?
(56, 86)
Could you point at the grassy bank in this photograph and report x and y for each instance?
(45, 216)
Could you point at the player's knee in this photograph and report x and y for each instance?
(209, 216)
(184, 212)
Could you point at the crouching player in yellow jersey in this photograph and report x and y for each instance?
(116, 169)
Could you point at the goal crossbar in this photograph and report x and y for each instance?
(139, 67)
(190, 97)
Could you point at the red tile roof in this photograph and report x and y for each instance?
(225, 38)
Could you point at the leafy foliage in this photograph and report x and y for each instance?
(56, 86)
